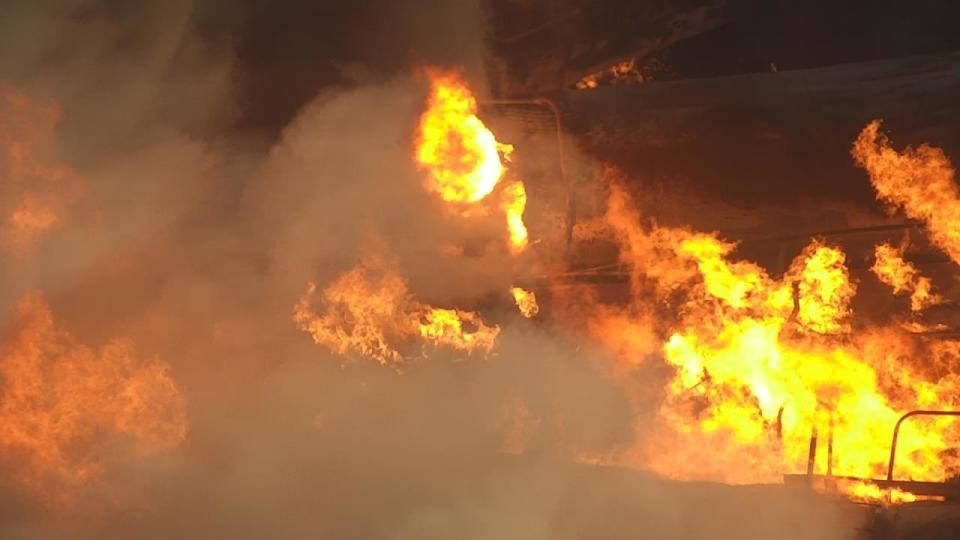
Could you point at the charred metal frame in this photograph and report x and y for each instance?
(558, 124)
(947, 490)
(896, 433)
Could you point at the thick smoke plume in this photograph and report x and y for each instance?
(168, 245)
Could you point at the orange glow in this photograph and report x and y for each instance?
(64, 405)
(619, 73)
(369, 312)
(869, 492)
(35, 191)
(903, 277)
(920, 181)
(526, 301)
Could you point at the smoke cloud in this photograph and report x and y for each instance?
(192, 235)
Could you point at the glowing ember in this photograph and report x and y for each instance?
(526, 301)
(461, 154)
(62, 403)
(619, 73)
(369, 312)
(903, 277)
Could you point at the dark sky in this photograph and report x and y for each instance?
(287, 52)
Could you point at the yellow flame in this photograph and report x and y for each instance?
(454, 145)
(760, 362)
(368, 311)
(526, 301)
(869, 492)
(446, 327)
(824, 289)
(515, 202)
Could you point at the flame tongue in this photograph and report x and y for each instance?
(903, 277)
(514, 204)
(526, 301)
(918, 180)
(369, 312)
(461, 154)
(760, 363)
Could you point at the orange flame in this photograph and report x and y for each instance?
(454, 145)
(463, 156)
(449, 328)
(369, 312)
(918, 180)
(903, 277)
(761, 363)
(64, 404)
(514, 204)
(526, 301)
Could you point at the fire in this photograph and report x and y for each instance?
(526, 301)
(762, 366)
(369, 312)
(919, 180)
(463, 157)
(35, 191)
(625, 71)
(824, 289)
(460, 152)
(514, 204)
(64, 405)
(903, 277)
(869, 492)
(762, 363)
(447, 328)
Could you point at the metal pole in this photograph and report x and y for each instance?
(896, 433)
(830, 446)
(812, 455)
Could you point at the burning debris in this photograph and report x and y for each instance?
(369, 312)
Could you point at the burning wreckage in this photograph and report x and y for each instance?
(816, 344)
(774, 376)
